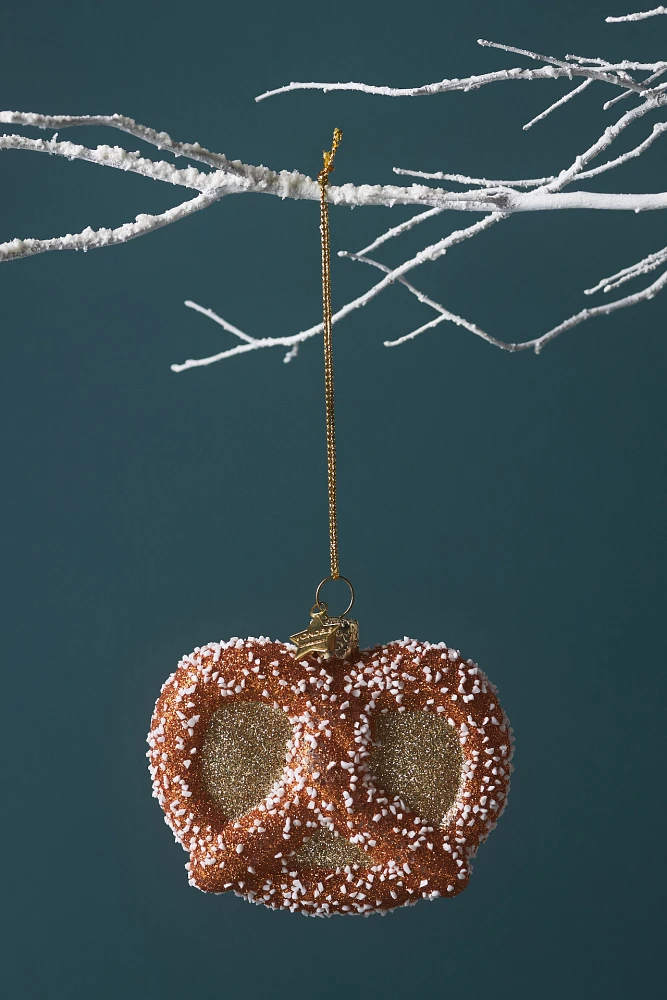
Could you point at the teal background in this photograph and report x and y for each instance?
(512, 506)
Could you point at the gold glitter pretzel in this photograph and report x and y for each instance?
(323, 786)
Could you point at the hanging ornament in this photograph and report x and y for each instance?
(313, 776)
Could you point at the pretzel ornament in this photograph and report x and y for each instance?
(327, 785)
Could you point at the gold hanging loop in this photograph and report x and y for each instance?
(325, 635)
(323, 180)
(320, 604)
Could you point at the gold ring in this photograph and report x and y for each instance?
(326, 580)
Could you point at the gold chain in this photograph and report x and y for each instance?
(323, 180)
(327, 636)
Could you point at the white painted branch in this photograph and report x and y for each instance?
(513, 202)
(465, 179)
(494, 200)
(430, 253)
(229, 327)
(625, 64)
(445, 314)
(537, 343)
(605, 310)
(609, 135)
(658, 129)
(641, 16)
(404, 227)
(593, 60)
(293, 185)
(465, 84)
(161, 140)
(91, 239)
(644, 266)
(618, 71)
(552, 189)
(557, 104)
(628, 93)
(615, 74)
(219, 183)
(120, 159)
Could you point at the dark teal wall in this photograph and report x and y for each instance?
(510, 505)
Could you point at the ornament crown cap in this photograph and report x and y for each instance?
(327, 636)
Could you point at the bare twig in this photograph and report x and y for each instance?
(616, 74)
(464, 179)
(92, 239)
(192, 151)
(404, 227)
(445, 314)
(641, 16)
(557, 104)
(429, 253)
(644, 266)
(657, 130)
(628, 93)
(120, 159)
(229, 327)
(537, 343)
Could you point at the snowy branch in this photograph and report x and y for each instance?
(215, 176)
(557, 104)
(641, 16)
(616, 74)
(537, 343)
(93, 239)
(193, 151)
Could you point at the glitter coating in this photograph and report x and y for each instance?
(417, 757)
(328, 782)
(243, 755)
(329, 851)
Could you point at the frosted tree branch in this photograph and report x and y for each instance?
(120, 159)
(537, 343)
(657, 130)
(641, 16)
(644, 266)
(428, 254)
(212, 176)
(480, 181)
(192, 151)
(616, 74)
(445, 314)
(93, 239)
(557, 104)
(404, 227)
(229, 327)
(628, 93)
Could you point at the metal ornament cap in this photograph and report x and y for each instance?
(327, 636)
